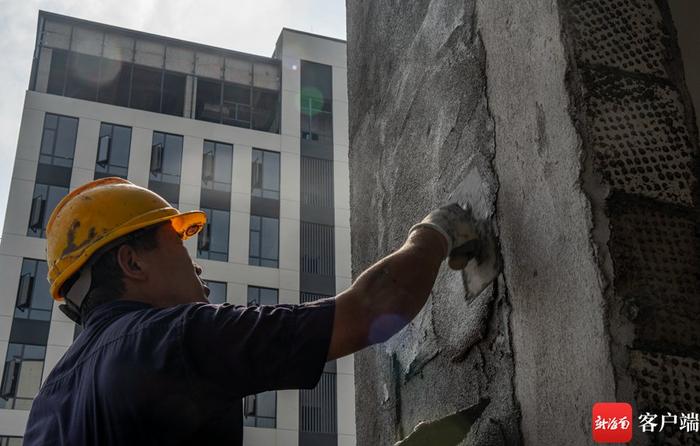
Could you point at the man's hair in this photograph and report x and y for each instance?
(107, 276)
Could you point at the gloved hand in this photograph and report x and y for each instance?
(460, 229)
(471, 245)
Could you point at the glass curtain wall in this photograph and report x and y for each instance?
(126, 69)
(24, 362)
(53, 173)
(215, 200)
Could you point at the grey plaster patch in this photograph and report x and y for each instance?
(420, 130)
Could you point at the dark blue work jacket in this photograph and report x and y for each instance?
(140, 375)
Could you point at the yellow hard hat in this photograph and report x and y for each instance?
(100, 212)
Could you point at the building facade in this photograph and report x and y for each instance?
(260, 144)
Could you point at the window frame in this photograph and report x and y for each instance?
(262, 191)
(259, 259)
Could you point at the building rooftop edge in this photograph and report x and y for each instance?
(314, 35)
(135, 33)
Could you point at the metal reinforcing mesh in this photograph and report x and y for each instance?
(640, 139)
(667, 384)
(655, 256)
(623, 34)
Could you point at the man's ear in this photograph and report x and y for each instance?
(132, 265)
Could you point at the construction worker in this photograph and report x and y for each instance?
(157, 364)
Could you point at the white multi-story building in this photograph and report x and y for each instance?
(260, 144)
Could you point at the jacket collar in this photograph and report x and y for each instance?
(109, 310)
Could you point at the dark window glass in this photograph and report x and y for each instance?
(44, 200)
(166, 165)
(217, 291)
(316, 125)
(316, 102)
(236, 108)
(262, 296)
(57, 72)
(217, 165)
(24, 365)
(37, 303)
(113, 151)
(145, 88)
(24, 362)
(266, 110)
(115, 81)
(208, 106)
(83, 76)
(264, 241)
(58, 140)
(265, 175)
(212, 242)
(318, 77)
(173, 93)
(260, 410)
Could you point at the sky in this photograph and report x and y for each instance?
(248, 26)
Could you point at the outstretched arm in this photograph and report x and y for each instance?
(385, 297)
(389, 294)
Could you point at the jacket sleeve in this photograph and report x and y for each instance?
(247, 350)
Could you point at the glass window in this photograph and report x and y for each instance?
(265, 175)
(166, 165)
(316, 102)
(262, 296)
(264, 241)
(24, 362)
(236, 107)
(260, 410)
(265, 110)
(113, 147)
(58, 140)
(173, 94)
(44, 200)
(318, 77)
(57, 72)
(217, 165)
(212, 241)
(208, 107)
(170, 164)
(33, 299)
(115, 80)
(145, 88)
(217, 291)
(83, 76)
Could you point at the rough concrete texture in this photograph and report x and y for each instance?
(574, 133)
(421, 130)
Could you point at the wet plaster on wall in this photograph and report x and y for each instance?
(547, 224)
(420, 130)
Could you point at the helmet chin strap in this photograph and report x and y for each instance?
(79, 290)
(76, 295)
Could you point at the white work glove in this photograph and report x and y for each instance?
(471, 245)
